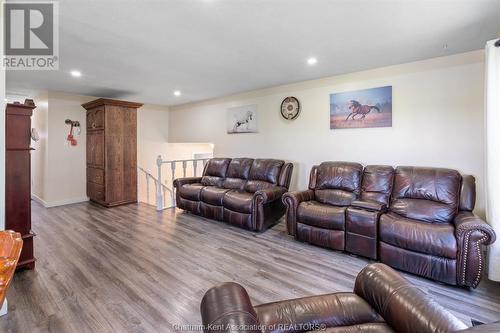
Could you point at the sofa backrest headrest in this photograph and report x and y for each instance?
(377, 183)
(426, 194)
(237, 173)
(263, 173)
(215, 171)
(468, 193)
(338, 183)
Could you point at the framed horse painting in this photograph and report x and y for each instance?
(242, 119)
(361, 108)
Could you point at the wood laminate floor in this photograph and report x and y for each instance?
(132, 269)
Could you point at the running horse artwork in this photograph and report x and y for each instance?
(361, 108)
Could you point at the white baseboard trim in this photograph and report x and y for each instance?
(59, 202)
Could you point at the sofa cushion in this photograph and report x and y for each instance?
(191, 191)
(335, 197)
(253, 186)
(427, 194)
(238, 201)
(239, 168)
(437, 239)
(267, 170)
(321, 215)
(237, 173)
(213, 195)
(377, 183)
(339, 175)
(215, 171)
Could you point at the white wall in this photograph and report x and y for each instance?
(59, 170)
(39, 159)
(437, 120)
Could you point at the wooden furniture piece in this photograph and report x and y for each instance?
(11, 245)
(18, 176)
(111, 151)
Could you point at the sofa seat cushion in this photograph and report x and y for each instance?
(311, 313)
(213, 195)
(321, 215)
(238, 201)
(437, 239)
(191, 191)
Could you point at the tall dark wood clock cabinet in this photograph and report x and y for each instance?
(112, 151)
(18, 177)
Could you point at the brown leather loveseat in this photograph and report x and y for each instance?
(242, 191)
(382, 302)
(415, 219)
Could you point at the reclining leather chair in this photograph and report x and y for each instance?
(242, 191)
(382, 302)
(317, 215)
(430, 229)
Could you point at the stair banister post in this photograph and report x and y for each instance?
(159, 192)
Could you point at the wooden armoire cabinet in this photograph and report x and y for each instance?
(112, 151)
(18, 177)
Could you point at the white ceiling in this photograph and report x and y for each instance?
(144, 50)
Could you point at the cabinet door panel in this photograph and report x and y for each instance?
(95, 149)
(95, 118)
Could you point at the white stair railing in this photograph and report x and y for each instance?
(149, 177)
(185, 164)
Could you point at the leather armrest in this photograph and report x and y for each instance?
(188, 180)
(403, 306)
(466, 221)
(269, 194)
(471, 232)
(292, 201)
(227, 308)
(369, 205)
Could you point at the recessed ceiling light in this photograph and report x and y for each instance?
(177, 93)
(312, 61)
(76, 73)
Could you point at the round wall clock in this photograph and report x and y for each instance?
(290, 108)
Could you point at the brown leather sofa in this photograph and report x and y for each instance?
(382, 302)
(241, 191)
(415, 219)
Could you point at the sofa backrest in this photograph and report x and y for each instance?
(337, 183)
(264, 173)
(377, 183)
(215, 171)
(426, 194)
(237, 173)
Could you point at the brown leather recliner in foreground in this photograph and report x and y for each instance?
(241, 191)
(415, 219)
(382, 302)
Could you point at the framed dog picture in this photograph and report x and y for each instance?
(242, 119)
(361, 108)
